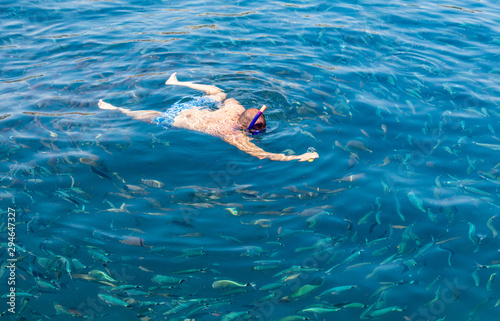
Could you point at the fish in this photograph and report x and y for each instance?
(253, 251)
(387, 160)
(60, 310)
(350, 258)
(425, 248)
(77, 264)
(265, 223)
(475, 190)
(489, 224)
(267, 298)
(336, 290)
(152, 183)
(479, 305)
(265, 267)
(322, 243)
(122, 209)
(229, 285)
(490, 282)
(89, 161)
(166, 280)
(490, 146)
(354, 305)
(135, 190)
(337, 143)
(415, 201)
(134, 240)
(321, 93)
(356, 144)
(404, 239)
(99, 173)
(365, 217)
(314, 220)
(153, 202)
(45, 286)
(314, 210)
(292, 318)
(199, 205)
(319, 310)
(472, 234)
(432, 217)
(235, 316)
(290, 277)
(231, 238)
(353, 160)
(111, 300)
(398, 209)
(490, 266)
(377, 304)
(272, 286)
(183, 305)
(189, 271)
(233, 211)
(333, 110)
(451, 253)
(294, 269)
(123, 287)
(21, 294)
(303, 290)
(449, 240)
(382, 312)
(102, 276)
(385, 187)
(411, 106)
(436, 298)
(350, 178)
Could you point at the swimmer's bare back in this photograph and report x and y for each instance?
(222, 123)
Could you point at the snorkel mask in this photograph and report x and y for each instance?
(251, 128)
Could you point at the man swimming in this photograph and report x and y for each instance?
(224, 122)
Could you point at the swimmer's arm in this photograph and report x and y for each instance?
(214, 92)
(243, 143)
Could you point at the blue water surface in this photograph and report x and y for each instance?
(117, 219)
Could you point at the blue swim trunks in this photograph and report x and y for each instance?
(166, 119)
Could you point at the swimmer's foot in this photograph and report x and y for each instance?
(209, 89)
(172, 80)
(107, 106)
(144, 115)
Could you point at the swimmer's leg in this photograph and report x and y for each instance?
(214, 92)
(144, 115)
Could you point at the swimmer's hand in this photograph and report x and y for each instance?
(307, 157)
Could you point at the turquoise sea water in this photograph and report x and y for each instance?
(401, 210)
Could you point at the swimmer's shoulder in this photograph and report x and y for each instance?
(232, 103)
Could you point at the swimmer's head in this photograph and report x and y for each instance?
(247, 117)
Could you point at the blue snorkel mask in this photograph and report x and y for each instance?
(251, 129)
